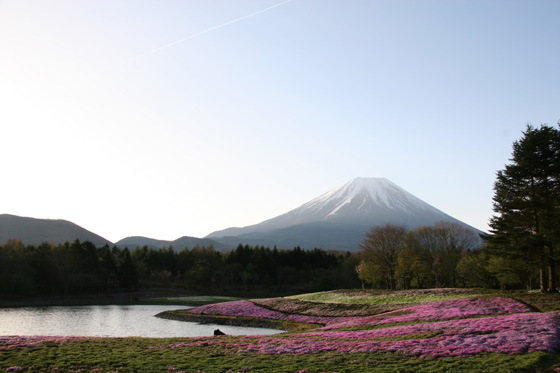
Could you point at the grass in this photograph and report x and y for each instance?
(543, 302)
(376, 298)
(133, 355)
(225, 354)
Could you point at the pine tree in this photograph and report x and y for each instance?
(128, 273)
(527, 202)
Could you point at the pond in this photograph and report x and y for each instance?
(109, 321)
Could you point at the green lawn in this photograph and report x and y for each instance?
(134, 355)
(383, 297)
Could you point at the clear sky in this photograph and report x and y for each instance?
(166, 118)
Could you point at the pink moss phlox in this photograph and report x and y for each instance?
(244, 308)
(502, 334)
(509, 327)
(442, 310)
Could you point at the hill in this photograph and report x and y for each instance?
(35, 231)
(178, 244)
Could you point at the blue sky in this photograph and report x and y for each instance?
(170, 118)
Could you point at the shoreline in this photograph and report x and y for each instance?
(125, 298)
(252, 322)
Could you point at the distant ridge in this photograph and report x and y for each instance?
(36, 231)
(339, 218)
(178, 245)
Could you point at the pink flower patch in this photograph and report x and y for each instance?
(443, 310)
(245, 308)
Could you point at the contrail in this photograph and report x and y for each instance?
(208, 30)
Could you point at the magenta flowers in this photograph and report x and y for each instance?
(443, 310)
(524, 332)
(246, 308)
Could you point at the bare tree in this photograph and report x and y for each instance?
(444, 244)
(381, 247)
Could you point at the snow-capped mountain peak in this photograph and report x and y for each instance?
(366, 195)
(340, 217)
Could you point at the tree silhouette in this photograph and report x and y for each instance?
(527, 202)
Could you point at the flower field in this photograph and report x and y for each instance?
(454, 327)
(433, 311)
(509, 334)
(442, 331)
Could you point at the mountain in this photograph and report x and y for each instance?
(178, 244)
(35, 231)
(339, 218)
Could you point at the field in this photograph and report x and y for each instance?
(341, 331)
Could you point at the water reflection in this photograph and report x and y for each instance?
(108, 321)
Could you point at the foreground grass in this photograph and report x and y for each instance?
(135, 355)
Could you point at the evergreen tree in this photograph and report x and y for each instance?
(127, 272)
(527, 202)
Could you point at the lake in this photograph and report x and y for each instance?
(109, 321)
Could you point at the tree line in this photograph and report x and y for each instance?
(441, 255)
(81, 267)
(393, 257)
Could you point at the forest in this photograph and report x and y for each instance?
(81, 267)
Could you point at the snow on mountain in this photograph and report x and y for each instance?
(362, 196)
(340, 217)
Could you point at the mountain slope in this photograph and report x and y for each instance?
(339, 218)
(35, 231)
